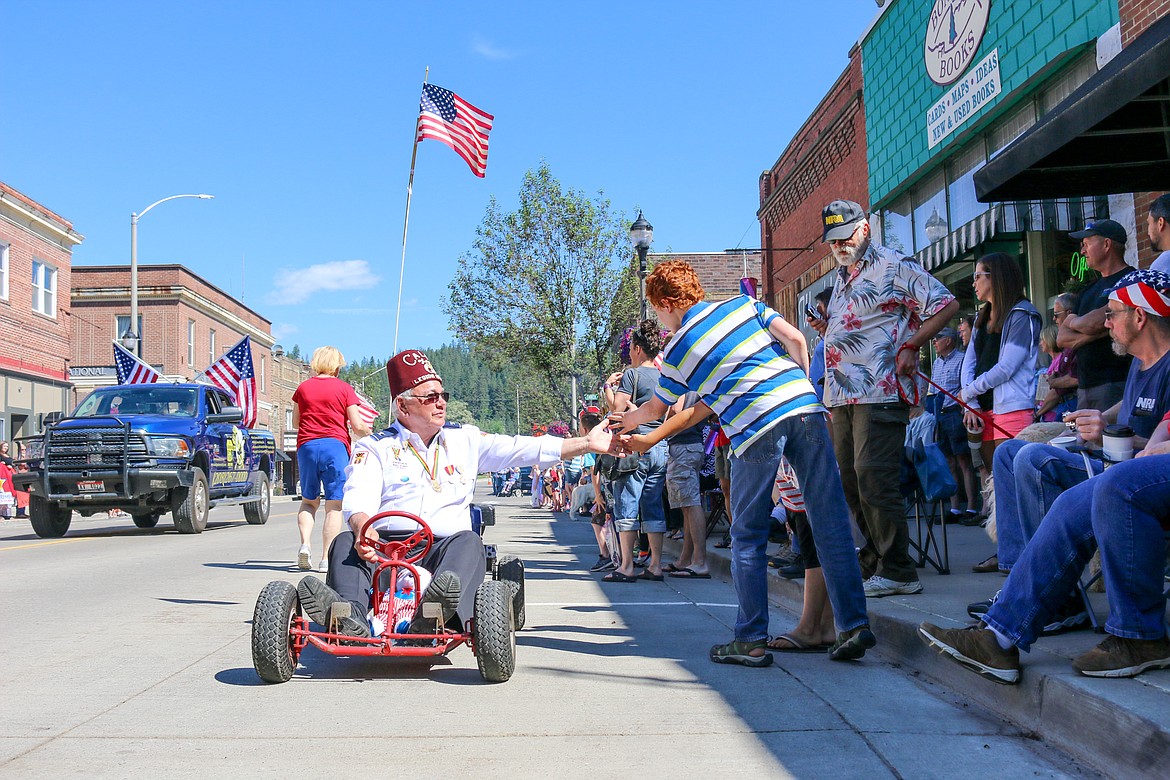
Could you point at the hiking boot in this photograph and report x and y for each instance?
(976, 648)
(1069, 617)
(740, 653)
(851, 645)
(1121, 657)
(444, 590)
(878, 586)
(326, 607)
(979, 608)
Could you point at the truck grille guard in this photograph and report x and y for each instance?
(103, 444)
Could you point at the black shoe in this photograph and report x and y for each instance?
(604, 563)
(978, 609)
(444, 590)
(793, 571)
(1069, 617)
(328, 608)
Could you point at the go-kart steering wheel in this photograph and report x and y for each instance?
(399, 550)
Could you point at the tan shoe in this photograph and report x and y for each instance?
(976, 648)
(1121, 657)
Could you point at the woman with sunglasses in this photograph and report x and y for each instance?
(999, 367)
(323, 408)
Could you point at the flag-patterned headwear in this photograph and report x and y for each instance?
(1147, 290)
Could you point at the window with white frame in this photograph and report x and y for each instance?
(288, 419)
(3, 271)
(44, 282)
(191, 343)
(211, 347)
(263, 372)
(122, 328)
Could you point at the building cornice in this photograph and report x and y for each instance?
(21, 216)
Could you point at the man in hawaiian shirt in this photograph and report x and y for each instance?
(885, 308)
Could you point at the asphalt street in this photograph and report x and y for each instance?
(126, 653)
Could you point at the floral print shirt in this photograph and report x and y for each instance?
(873, 311)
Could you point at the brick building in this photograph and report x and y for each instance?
(719, 272)
(825, 161)
(287, 373)
(185, 322)
(36, 248)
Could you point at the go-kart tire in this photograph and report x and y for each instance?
(495, 641)
(273, 653)
(49, 520)
(510, 569)
(256, 513)
(147, 521)
(189, 505)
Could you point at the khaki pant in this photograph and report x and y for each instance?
(868, 439)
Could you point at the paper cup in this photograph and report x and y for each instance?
(1063, 442)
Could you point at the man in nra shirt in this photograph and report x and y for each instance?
(426, 466)
(1101, 372)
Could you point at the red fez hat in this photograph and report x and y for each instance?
(407, 370)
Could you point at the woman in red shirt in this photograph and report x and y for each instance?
(325, 405)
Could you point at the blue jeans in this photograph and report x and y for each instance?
(642, 489)
(1120, 511)
(1028, 479)
(804, 440)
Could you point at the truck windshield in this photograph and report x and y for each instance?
(144, 399)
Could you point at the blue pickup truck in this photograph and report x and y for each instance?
(148, 449)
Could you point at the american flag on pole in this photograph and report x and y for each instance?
(446, 117)
(131, 370)
(366, 409)
(233, 373)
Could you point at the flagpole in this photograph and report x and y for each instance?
(406, 221)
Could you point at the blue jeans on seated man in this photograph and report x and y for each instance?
(1119, 511)
(804, 440)
(1028, 479)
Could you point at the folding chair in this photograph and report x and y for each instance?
(1083, 587)
(715, 504)
(927, 514)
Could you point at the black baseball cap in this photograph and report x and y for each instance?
(1106, 228)
(839, 219)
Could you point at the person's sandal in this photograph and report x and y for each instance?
(851, 645)
(737, 652)
(989, 566)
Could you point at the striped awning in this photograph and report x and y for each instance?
(1064, 215)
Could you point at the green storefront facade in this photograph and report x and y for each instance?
(949, 83)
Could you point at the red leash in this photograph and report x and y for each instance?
(902, 395)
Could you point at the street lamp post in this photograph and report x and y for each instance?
(132, 339)
(641, 236)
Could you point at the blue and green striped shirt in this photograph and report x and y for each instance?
(725, 353)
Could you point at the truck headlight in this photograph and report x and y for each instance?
(169, 446)
(34, 449)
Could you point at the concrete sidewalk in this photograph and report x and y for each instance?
(1119, 726)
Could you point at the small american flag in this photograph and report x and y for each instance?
(366, 409)
(131, 370)
(446, 117)
(233, 373)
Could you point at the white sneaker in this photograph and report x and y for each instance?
(323, 566)
(876, 587)
(303, 562)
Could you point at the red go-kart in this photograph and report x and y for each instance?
(280, 632)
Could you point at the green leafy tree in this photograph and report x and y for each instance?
(537, 290)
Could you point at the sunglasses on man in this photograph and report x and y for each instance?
(432, 398)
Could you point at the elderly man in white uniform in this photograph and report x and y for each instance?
(423, 465)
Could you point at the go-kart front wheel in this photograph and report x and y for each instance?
(273, 653)
(495, 641)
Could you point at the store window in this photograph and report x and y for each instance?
(897, 226)
(1012, 127)
(930, 211)
(961, 190)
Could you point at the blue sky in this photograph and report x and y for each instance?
(299, 118)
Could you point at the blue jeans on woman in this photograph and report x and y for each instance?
(640, 491)
(1028, 479)
(1119, 511)
(804, 440)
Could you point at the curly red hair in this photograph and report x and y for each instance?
(675, 283)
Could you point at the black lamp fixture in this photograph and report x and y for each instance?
(641, 236)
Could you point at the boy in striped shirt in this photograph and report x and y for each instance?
(750, 367)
